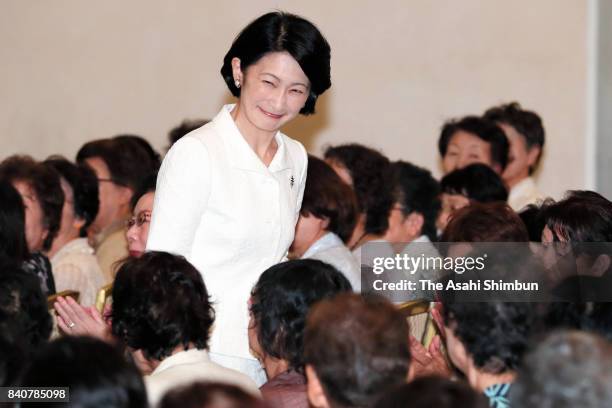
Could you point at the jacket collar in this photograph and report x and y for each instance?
(240, 154)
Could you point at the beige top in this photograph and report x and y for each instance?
(186, 367)
(75, 267)
(111, 247)
(524, 193)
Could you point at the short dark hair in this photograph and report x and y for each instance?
(185, 127)
(491, 222)
(369, 170)
(484, 129)
(494, 334)
(281, 300)
(358, 347)
(147, 186)
(13, 243)
(84, 185)
(415, 189)
(533, 220)
(478, 182)
(426, 392)
(582, 216)
(327, 196)
(127, 161)
(23, 302)
(527, 123)
(46, 185)
(160, 302)
(283, 32)
(127, 139)
(568, 368)
(210, 395)
(97, 374)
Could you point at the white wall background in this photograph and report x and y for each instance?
(75, 70)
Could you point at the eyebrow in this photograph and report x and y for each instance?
(279, 80)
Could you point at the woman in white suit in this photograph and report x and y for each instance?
(229, 193)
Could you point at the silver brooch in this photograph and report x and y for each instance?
(291, 181)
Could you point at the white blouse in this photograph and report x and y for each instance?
(330, 248)
(76, 267)
(232, 217)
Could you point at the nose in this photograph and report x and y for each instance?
(279, 99)
(131, 234)
(463, 161)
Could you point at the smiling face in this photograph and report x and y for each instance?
(273, 91)
(464, 149)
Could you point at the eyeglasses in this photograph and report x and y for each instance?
(141, 219)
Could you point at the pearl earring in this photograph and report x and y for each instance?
(237, 83)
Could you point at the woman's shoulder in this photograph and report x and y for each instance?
(295, 150)
(293, 145)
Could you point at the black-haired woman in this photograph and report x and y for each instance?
(229, 193)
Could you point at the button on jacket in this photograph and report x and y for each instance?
(232, 217)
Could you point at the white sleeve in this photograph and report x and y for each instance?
(181, 196)
(302, 184)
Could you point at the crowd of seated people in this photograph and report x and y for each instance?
(320, 336)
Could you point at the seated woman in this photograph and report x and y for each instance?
(74, 263)
(326, 222)
(367, 172)
(474, 183)
(486, 341)
(96, 374)
(43, 200)
(162, 311)
(470, 140)
(584, 219)
(279, 304)
(137, 231)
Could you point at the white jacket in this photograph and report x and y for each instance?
(232, 217)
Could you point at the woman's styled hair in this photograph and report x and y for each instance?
(327, 196)
(528, 124)
(45, 183)
(416, 191)
(439, 392)
(582, 216)
(369, 170)
(280, 302)
(283, 32)
(210, 395)
(494, 334)
(160, 302)
(147, 186)
(478, 182)
(84, 185)
(13, 245)
(491, 222)
(484, 129)
(98, 374)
